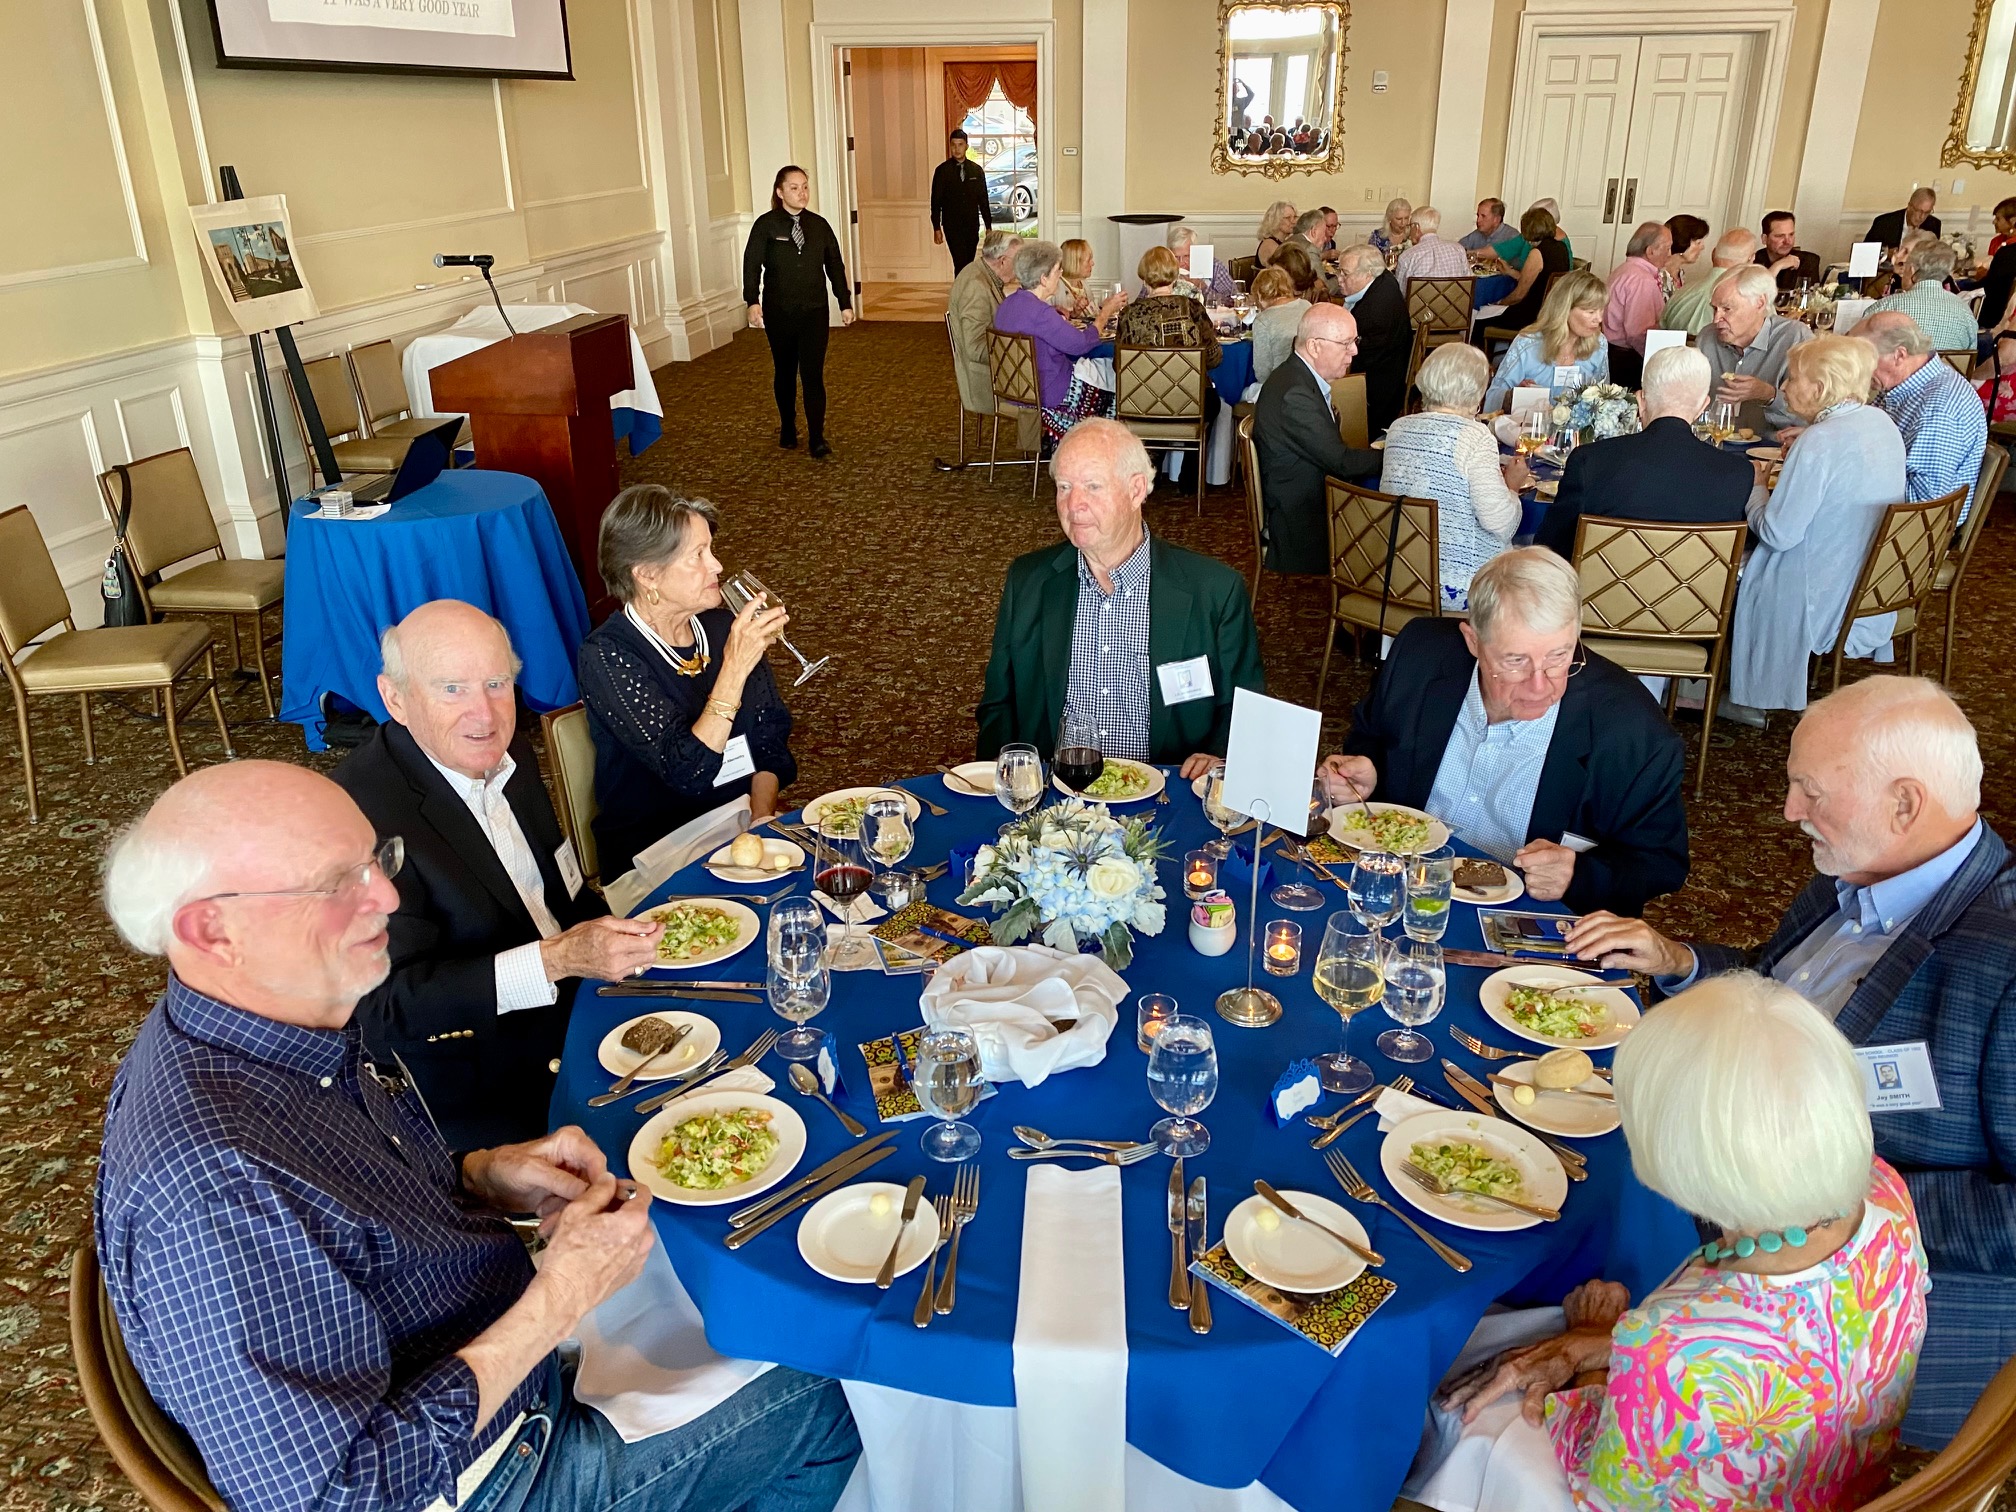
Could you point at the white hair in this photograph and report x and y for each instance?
(148, 878)
(1361, 258)
(1737, 248)
(1535, 584)
(1934, 261)
(997, 242)
(1427, 219)
(1743, 1105)
(1551, 205)
(1454, 376)
(392, 655)
(1180, 236)
(1676, 382)
(1753, 282)
(1910, 727)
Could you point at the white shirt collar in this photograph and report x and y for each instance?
(472, 789)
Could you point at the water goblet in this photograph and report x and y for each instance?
(1018, 779)
(1223, 818)
(1349, 976)
(946, 1080)
(1182, 1078)
(1415, 977)
(1377, 887)
(887, 836)
(1300, 896)
(796, 999)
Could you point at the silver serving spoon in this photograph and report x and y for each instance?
(803, 1081)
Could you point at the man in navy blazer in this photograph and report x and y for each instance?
(1534, 750)
(1295, 429)
(1664, 474)
(1907, 938)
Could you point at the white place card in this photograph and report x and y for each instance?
(1658, 341)
(1527, 398)
(1270, 760)
(1202, 255)
(1863, 258)
(1849, 312)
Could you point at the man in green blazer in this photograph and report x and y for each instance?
(1144, 639)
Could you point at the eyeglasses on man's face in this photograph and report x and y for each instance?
(1555, 666)
(347, 884)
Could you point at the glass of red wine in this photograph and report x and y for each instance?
(841, 870)
(1079, 759)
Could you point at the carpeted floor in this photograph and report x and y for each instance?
(888, 566)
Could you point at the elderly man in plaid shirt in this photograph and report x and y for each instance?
(1907, 940)
(326, 1299)
(1941, 417)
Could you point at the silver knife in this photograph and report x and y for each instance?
(1573, 1162)
(1179, 1266)
(1200, 1289)
(742, 1236)
(886, 1276)
(743, 1216)
(1369, 1256)
(698, 994)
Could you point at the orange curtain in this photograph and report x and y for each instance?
(967, 85)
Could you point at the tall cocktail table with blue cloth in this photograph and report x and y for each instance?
(488, 538)
(1249, 1401)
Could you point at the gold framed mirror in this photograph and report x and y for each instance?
(1983, 129)
(1281, 87)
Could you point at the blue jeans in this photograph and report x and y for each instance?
(783, 1443)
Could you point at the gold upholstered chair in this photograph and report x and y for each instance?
(1159, 393)
(170, 524)
(1011, 369)
(356, 449)
(1354, 420)
(570, 755)
(1256, 504)
(381, 386)
(78, 663)
(1900, 570)
(1385, 563)
(1953, 571)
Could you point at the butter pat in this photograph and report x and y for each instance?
(1524, 1095)
(881, 1205)
(1267, 1220)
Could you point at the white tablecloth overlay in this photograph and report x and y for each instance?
(1500, 1462)
(481, 327)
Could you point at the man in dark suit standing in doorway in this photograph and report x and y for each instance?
(959, 210)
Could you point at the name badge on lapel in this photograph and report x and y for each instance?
(1184, 681)
(570, 867)
(736, 762)
(1568, 376)
(1898, 1078)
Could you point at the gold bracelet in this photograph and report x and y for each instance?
(722, 707)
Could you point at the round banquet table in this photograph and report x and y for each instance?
(487, 538)
(1248, 1402)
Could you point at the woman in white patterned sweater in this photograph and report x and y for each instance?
(1447, 454)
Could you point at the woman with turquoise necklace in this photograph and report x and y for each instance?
(1772, 1369)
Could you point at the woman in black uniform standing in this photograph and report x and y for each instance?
(791, 255)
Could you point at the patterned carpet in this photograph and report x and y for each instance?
(888, 566)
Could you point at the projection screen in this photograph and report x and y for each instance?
(509, 38)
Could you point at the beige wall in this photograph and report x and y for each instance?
(725, 141)
(1920, 46)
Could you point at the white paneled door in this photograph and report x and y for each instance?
(1623, 129)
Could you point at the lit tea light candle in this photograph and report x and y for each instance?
(1200, 874)
(1282, 954)
(1152, 1011)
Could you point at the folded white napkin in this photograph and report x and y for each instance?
(1070, 1345)
(861, 910)
(685, 845)
(1013, 998)
(1097, 371)
(1398, 1107)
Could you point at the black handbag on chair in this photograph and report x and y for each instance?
(119, 588)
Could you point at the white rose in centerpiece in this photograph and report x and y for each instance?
(1113, 877)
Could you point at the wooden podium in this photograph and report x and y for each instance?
(538, 404)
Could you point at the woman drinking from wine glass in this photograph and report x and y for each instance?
(682, 707)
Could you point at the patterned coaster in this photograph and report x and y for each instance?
(923, 935)
(1326, 1319)
(889, 1060)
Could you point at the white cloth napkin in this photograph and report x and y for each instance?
(1013, 997)
(1398, 1107)
(1071, 1343)
(1097, 371)
(861, 910)
(685, 845)
(1499, 1462)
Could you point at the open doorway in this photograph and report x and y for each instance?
(901, 105)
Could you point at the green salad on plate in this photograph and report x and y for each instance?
(716, 1150)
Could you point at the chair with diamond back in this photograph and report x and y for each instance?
(375, 369)
(1994, 465)
(1011, 368)
(1961, 359)
(1385, 564)
(170, 524)
(1354, 422)
(570, 755)
(350, 438)
(1439, 309)
(1658, 599)
(1159, 394)
(959, 373)
(78, 663)
(1899, 572)
(1242, 269)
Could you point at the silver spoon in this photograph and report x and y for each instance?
(803, 1081)
(1036, 1139)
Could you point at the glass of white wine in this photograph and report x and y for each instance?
(1018, 778)
(736, 593)
(1350, 977)
(1534, 430)
(1722, 421)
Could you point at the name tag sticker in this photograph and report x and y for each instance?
(736, 762)
(570, 867)
(1898, 1078)
(1566, 377)
(1185, 680)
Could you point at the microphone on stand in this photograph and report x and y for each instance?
(482, 262)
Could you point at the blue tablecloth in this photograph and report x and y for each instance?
(1234, 370)
(488, 538)
(1492, 290)
(1249, 1402)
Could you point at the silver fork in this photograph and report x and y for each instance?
(1129, 1157)
(1428, 1181)
(706, 1068)
(1359, 1190)
(748, 1057)
(922, 1316)
(1323, 1141)
(759, 898)
(965, 1203)
(1478, 1048)
(935, 809)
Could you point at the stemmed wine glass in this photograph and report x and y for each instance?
(946, 1080)
(841, 870)
(1018, 779)
(737, 591)
(1300, 896)
(1415, 976)
(1377, 888)
(1224, 819)
(797, 982)
(887, 836)
(1349, 976)
(1079, 759)
(1183, 1078)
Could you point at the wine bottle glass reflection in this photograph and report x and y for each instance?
(1183, 1078)
(946, 1080)
(1018, 778)
(737, 591)
(1350, 977)
(1415, 975)
(1377, 887)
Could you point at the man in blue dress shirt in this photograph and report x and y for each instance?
(326, 1299)
(1907, 940)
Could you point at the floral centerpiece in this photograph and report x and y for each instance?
(1078, 874)
(1598, 411)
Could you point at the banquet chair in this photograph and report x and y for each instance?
(959, 377)
(1994, 465)
(1962, 359)
(570, 755)
(1159, 393)
(1509, 334)
(171, 523)
(150, 1446)
(1968, 1473)
(1898, 573)
(1011, 370)
(1658, 600)
(374, 368)
(1242, 269)
(1354, 423)
(1439, 309)
(1385, 563)
(356, 449)
(126, 658)
(1256, 507)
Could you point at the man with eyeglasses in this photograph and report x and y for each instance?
(1528, 746)
(1295, 429)
(330, 1303)
(496, 927)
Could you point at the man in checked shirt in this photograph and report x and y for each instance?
(325, 1298)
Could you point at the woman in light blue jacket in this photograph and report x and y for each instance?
(1563, 349)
